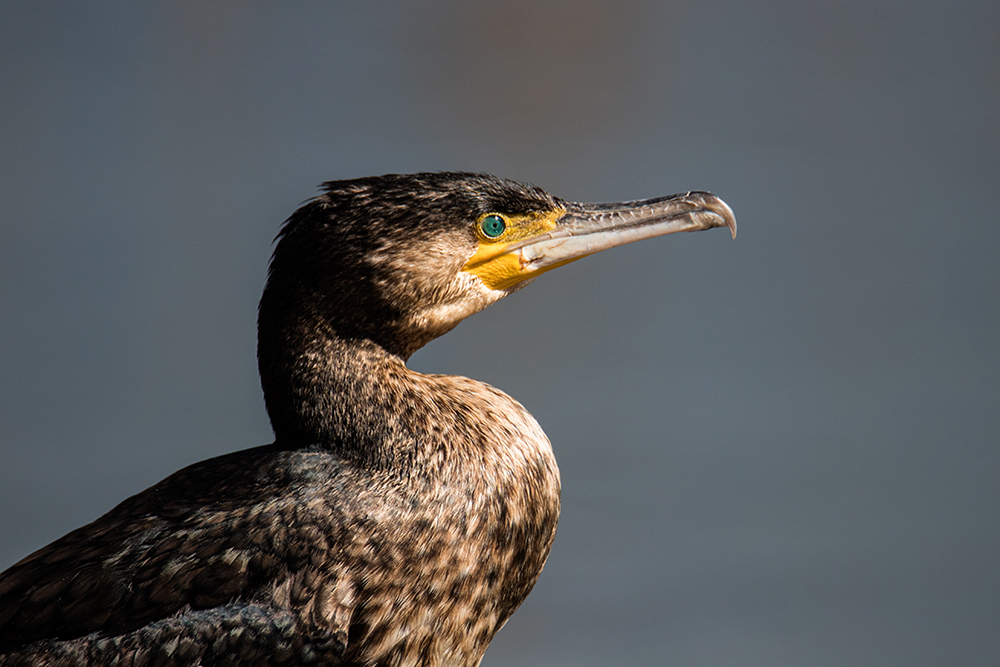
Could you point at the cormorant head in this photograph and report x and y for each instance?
(389, 263)
(401, 259)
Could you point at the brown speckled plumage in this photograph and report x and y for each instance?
(398, 519)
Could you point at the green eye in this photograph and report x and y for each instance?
(493, 226)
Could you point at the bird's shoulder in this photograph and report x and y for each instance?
(257, 527)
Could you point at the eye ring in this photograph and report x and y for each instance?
(493, 226)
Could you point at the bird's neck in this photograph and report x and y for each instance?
(358, 399)
(324, 388)
(464, 457)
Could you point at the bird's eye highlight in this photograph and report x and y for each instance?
(493, 226)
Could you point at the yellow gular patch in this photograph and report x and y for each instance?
(492, 263)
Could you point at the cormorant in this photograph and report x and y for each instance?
(398, 518)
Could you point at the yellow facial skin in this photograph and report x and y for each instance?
(492, 263)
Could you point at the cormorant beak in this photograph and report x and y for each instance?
(580, 230)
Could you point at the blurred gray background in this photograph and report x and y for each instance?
(781, 450)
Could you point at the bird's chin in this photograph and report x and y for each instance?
(470, 296)
(517, 286)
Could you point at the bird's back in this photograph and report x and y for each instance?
(192, 565)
